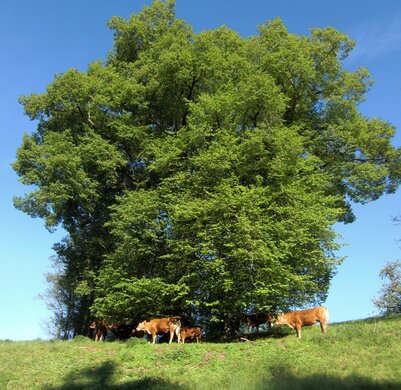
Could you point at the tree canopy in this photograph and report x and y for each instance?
(202, 173)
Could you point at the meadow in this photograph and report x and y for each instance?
(363, 354)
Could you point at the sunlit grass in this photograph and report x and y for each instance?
(360, 354)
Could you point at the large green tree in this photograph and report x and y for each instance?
(201, 174)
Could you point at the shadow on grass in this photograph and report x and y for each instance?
(284, 379)
(278, 332)
(101, 377)
(318, 382)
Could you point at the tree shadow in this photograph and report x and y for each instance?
(318, 382)
(278, 332)
(284, 379)
(101, 377)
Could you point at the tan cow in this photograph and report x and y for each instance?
(297, 319)
(191, 332)
(100, 329)
(161, 325)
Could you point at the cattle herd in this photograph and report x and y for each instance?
(155, 327)
(172, 325)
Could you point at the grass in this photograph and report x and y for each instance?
(352, 355)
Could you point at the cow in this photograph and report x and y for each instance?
(255, 320)
(100, 329)
(191, 332)
(121, 331)
(297, 319)
(161, 325)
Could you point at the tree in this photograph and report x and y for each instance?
(201, 174)
(389, 300)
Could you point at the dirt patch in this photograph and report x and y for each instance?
(193, 366)
(90, 349)
(207, 357)
(221, 356)
(137, 370)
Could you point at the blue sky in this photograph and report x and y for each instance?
(43, 38)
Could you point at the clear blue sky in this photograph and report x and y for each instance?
(44, 37)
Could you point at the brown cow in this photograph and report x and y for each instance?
(100, 328)
(191, 332)
(161, 325)
(121, 331)
(297, 319)
(255, 320)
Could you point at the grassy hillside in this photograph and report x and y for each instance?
(353, 355)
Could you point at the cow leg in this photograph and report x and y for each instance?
(171, 336)
(153, 338)
(323, 326)
(298, 330)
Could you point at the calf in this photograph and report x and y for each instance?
(297, 319)
(100, 329)
(191, 332)
(161, 325)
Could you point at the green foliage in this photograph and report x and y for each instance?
(201, 174)
(134, 299)
(389, 300)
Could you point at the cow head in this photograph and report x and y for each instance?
(93, 325)
(281, 320)
(141, 326)
(271, 318)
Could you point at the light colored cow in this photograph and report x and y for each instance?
(161, 326)
(297, 319)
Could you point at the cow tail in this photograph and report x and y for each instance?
(178, 328)
(327, 316)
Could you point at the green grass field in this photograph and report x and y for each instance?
(352, 355)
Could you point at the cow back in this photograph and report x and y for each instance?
(162, 325)
(307, 316)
